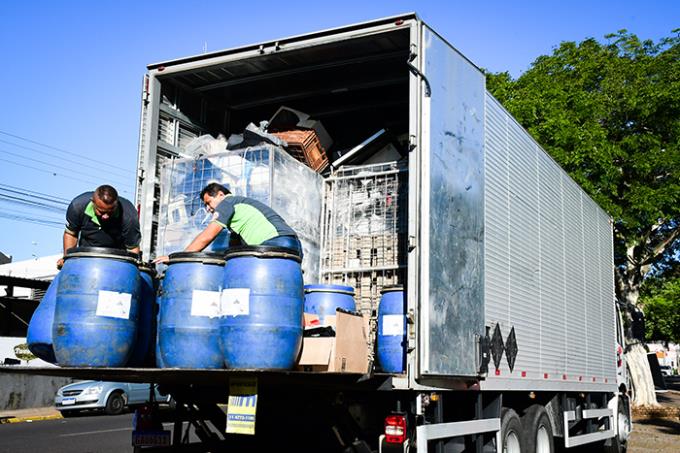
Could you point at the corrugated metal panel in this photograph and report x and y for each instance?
(552, 312)
(606, 253)
(577, 336)
(548, 263)
(524, 251)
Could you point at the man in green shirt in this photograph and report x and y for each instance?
(254, 222)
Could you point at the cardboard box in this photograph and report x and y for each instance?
(347, 352)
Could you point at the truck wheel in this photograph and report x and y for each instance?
(537, 430)
(115, 404)
(511, 432)
(619, 443)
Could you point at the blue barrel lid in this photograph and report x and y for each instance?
(262, 251)
(329, 289)
(195, 257)
(391, 289)
(101, 252)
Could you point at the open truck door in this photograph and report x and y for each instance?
(448, 172)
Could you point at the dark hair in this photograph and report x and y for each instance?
(213, 189)
(107, 194)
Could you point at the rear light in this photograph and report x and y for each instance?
(395, 429)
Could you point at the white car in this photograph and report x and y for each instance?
(111, 397)
(666, 370)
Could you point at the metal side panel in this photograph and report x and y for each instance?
(548, 267)
(451, 194)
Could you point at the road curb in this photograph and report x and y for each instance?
(30, 419)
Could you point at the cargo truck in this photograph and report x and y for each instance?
(513, 338)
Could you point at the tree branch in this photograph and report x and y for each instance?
(661, 247)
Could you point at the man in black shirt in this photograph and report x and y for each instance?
(101, 219)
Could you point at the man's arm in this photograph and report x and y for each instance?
(132, 236)
(204, 238)
(69, 241)
(200, 242)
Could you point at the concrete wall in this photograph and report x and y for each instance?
(22, 391)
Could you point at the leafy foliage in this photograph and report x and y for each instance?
(609, 113)
(660, 300)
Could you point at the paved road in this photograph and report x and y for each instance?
(91, 434)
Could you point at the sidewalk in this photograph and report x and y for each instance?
(29, 415)
(657, 430)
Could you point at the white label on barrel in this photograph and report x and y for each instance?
(236, 302)
(393, 325)
(205, 303)
(114, 305)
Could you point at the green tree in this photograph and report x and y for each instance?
(609, 113)
(660, 301)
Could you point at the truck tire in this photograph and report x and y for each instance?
(115, 404)
(511, 432)
(537, 430)
(619, 443)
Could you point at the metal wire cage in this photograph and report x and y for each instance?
(364, 229)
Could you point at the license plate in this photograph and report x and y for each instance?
(68, 401)
(150, 438)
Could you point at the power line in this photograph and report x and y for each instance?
(28, 212)
(31, 203)
(56, 174)
(82, 164)
(28, 193)
(52, 165)
(46, 223)
(33, 192)
(60, 150)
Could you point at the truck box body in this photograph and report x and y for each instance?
(498, 234)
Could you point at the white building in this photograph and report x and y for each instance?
(44, 268)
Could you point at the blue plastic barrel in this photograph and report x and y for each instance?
(392, 330)
(157, 325)
(323, 300)
(263, 300)
(188, 333)
(142, 353)
(39, 334)
(95, 317)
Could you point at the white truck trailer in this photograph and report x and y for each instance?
(514, 342)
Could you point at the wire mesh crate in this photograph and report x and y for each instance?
(364, 230)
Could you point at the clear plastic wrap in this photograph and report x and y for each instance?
(264, 172)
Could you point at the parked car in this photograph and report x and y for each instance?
(666, 370)
(111, 397)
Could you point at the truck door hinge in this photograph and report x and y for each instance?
(411, 324)
(412, 142)
(411, 243)
(484, 345)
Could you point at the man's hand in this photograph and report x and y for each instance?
(60, 263)
(161, 259)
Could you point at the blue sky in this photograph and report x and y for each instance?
(71, 72)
